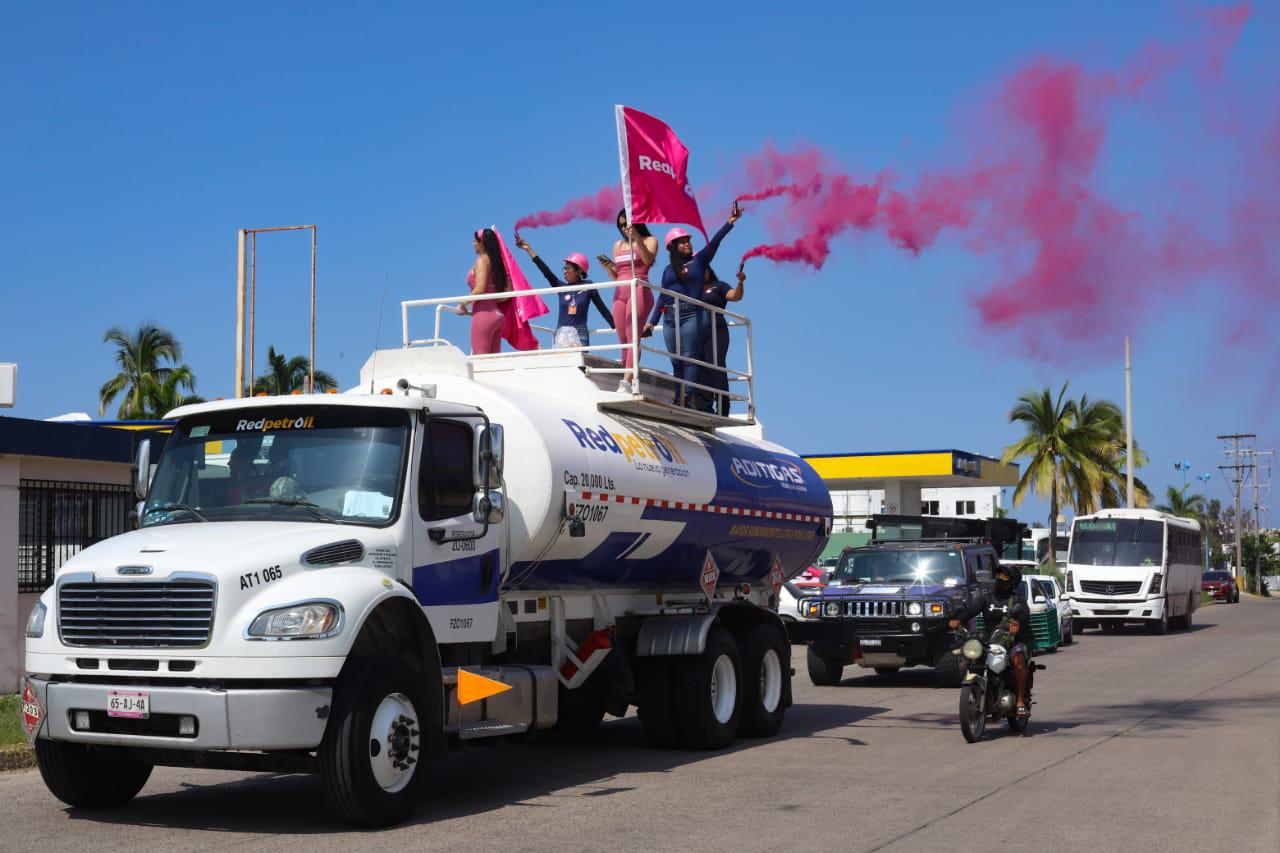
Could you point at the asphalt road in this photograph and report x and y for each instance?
(1137, 743)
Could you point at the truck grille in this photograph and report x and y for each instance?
(178, 613)
(1110, 587)
(872, 627)
(875, 608)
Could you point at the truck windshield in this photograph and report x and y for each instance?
(1117, 542)
(931, 567)
(338, 464)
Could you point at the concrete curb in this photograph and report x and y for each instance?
(17, 757)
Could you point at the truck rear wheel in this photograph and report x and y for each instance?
(709, 692)
(766, 676)
(90, 777)
(823, 672)
(654, 703)
(371, 759)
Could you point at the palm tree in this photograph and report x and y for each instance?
(1179, 503)
(1106, 480)
(168, 394)
(284, 376)
(1056, 450)
(142, 377)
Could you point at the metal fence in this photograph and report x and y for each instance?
(57, 520)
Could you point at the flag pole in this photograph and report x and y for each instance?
(624, 165)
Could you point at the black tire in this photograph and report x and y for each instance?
(1160, 627)
(90, 777)
(766, 680)
(654, 703)
(949, 669)
(1189, 620)
(1069, 637)
(973, 714)
(375, 697)
(582, 709)
(708, 697)
(887, 671)
(823, 672)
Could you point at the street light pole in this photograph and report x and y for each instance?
(1184, 467)
(1205, 478)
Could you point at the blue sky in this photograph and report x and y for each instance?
(139, 137)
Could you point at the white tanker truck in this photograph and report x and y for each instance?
(354, 584)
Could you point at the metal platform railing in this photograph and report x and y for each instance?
(741, 380)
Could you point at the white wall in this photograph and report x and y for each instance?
(853, 507)
(15, 608)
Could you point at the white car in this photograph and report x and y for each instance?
(792, 596)
(1050, 584)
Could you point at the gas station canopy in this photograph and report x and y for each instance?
(920, 468)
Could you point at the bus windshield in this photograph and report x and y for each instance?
(1118, 542)
(1023, 550)
(930, 567)
(336, 464)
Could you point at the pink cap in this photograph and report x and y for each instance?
(673, 235)
(579, 260)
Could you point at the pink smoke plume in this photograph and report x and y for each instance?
(1073, 263)
(602, 206)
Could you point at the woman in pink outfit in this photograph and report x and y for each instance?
(625, 266)
(488, 275)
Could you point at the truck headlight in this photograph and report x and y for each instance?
(35, 623)
(914, 608)
(831, 608)
(311, 620)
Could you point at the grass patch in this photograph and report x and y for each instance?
(11, 732)
(1205, 598)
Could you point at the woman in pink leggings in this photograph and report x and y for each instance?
(626, 266)
(488, 275)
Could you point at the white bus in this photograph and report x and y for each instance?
(1134, 565)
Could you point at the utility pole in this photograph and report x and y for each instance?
(1237, 479)
(1257, 512)
(1128, 428)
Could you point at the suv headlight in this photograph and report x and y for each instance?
(831, 608)
(914, 608)
(311, 620)
(35, 623)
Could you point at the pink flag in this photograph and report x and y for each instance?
(521, 309)
(655, 187)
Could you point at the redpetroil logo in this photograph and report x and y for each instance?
(268, 424)
(763, 474)
(644, 451)
(651, 165)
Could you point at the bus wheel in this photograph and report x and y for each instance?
(1161, 626)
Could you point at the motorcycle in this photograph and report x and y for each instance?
(987, 692)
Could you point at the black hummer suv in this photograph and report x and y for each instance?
(888, 602)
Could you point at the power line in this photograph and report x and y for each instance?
(1240, 471)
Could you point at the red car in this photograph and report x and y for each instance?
(1221, 585)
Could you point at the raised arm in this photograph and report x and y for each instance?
(599, 303)
(708, 252)
(521, 243)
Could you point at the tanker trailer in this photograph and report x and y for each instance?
(458, 550)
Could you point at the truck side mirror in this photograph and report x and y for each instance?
(488, 507)
(983, 576)
(142, 470)
(490, 448)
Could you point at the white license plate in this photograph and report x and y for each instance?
(869, 643)
(129, 703)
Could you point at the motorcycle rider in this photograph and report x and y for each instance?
(1004, 612)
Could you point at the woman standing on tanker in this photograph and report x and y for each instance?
(488, 275)
(686, 274)
(715, 347)
(571, 326)
(626, 265)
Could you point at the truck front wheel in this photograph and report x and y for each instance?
(90, 777)
(371, 758)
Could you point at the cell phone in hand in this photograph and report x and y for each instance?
(605, 260)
